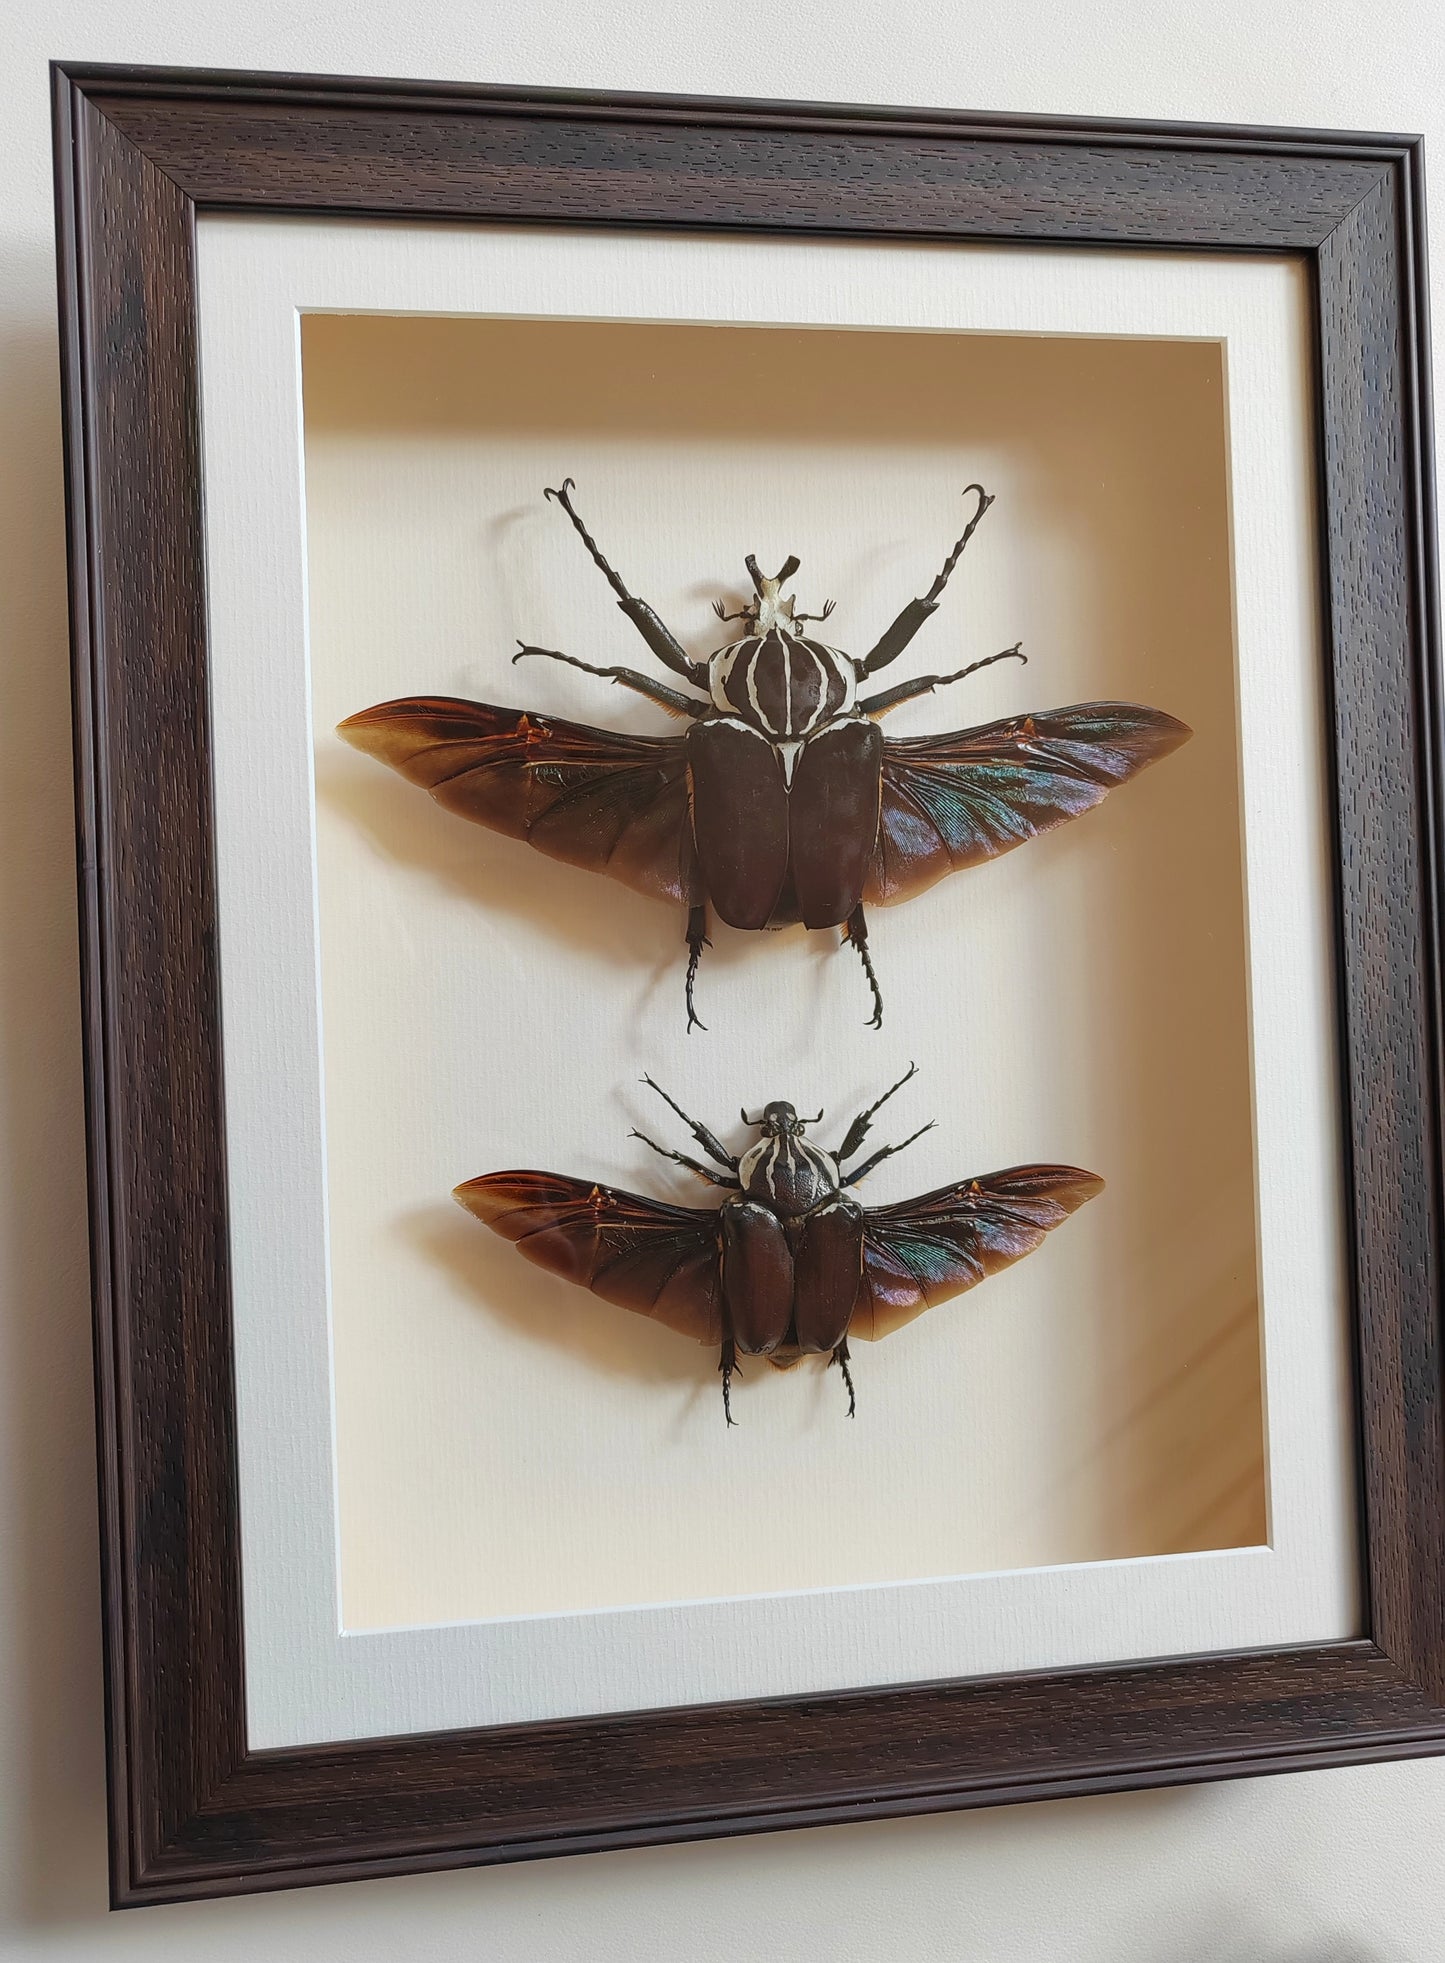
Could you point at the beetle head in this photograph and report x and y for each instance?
(768, 609)
(780, 1120)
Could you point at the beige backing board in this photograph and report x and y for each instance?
(507, 1445)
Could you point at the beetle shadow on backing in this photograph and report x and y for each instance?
(1126, 518)
(572, 907)
(494, 874)
(490, 1273)
(613, 1341)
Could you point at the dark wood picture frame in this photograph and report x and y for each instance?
(139, 153)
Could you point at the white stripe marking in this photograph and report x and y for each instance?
(753, 685)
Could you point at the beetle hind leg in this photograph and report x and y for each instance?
(855, 934)
(840, 1357)
(727, 1363)
(697, 940)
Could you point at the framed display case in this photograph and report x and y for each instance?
(419, 1555)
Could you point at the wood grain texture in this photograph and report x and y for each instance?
(716, 172)
(138, 153)
(155, 1117)
(1384, 711)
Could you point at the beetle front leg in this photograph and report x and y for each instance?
(889, 698)
(855, 934)
(896, 638)
(671, 699)
(885, 1152)
(858, 1130)
(714, 1147)
(655, 631)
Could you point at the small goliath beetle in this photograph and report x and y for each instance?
(790, 1264)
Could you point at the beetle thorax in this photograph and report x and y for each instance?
(781, 684)
(788, 1174)
(774, 678)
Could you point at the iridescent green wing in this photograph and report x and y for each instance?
(924, 1251)
(953, 801)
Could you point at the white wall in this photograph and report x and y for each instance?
(1346, 1865)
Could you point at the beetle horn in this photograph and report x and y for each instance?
(789, 566)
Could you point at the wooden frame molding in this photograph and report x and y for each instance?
(138, 154)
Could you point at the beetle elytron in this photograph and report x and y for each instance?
(783, 801)
(790, 1264)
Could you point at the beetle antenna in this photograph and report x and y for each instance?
(810, 1121)
(743, 1114)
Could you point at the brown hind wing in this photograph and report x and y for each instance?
(594, 798)
(660, 1261)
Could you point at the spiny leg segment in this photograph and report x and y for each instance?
(710, 1144)
(728, 1363)
(681, 1158)
(884, 1152)
(654, 630)
(858, 1130)
(889, 698)
(855, 934)
(563, 496)
(895, 638)
(840, 1357)
(935, 592)
(671, 699)
(697, 940)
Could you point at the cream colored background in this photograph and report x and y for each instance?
(507, 1445)
(304, 1680)
(1334, 1867)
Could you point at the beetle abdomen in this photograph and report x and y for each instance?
(781, 684)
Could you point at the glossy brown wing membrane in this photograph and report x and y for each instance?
(661, 1261)
(920, 1252)
(953, 801)
(592, 797)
